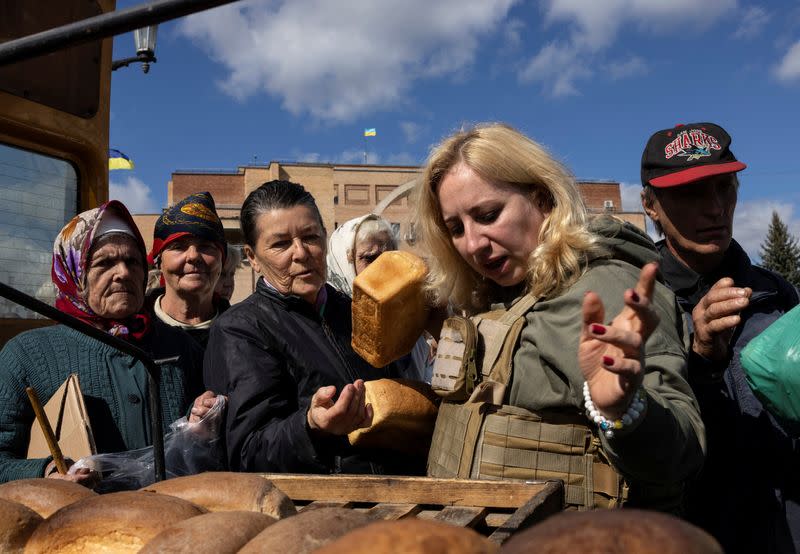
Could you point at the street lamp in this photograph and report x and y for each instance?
(145, 41)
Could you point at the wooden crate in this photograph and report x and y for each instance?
(496, 509)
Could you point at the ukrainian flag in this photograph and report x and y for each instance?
(370, 132)
(118, 160)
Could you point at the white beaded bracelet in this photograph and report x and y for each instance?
(633, 413)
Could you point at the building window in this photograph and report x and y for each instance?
(382, 191)
(356, 195)
(335, 194)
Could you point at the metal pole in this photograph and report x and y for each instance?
(101, 26)
(153, 371)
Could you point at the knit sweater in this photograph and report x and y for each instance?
(114, 387)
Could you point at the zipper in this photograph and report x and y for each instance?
(350, 374)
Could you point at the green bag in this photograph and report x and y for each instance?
(771, 363)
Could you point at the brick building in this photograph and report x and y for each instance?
(342, 192)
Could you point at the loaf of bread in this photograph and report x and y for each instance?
(221, 491)
(306, 531)
(212, 533)
(17, 523)
(116, 522)
(44, 496)
(625, 531)
(389, 307)
(411, 536)
(404, 416)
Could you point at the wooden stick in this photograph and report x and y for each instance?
(49, 436)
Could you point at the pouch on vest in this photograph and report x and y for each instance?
(454, 373)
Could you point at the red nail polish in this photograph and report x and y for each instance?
(634, 296)
(608, 360)
(597, 329)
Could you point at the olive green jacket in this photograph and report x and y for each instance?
(667, 446)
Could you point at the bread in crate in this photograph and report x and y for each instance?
(389, 308)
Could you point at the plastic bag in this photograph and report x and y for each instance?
(771, 363)
(189, 448)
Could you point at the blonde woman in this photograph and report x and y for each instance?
(601, 347)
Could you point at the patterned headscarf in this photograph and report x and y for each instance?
(70, 259)
(195, 215)
(342, 269)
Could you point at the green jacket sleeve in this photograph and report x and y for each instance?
(16, 416)
(667, 446)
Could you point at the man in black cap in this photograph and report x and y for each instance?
(747, 495)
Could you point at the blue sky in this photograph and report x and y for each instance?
(299, 80)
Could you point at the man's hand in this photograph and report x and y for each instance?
(347, 414)
(715, 318)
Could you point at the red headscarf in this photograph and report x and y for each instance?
(70, 258)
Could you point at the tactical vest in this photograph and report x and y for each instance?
(482, 438)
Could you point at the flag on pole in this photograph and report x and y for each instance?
(370, 132)
(118, 160)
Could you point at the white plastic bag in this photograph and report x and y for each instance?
(189, 448)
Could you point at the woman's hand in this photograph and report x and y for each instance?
(611, 357)
(202, 405)
(83, 476)
(347, 414)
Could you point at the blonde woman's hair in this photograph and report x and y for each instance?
(499, 153)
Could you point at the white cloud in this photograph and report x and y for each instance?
(336, 60)
(631, 199)
(789, 67)
(754, 19)
(135, 195)
(628, 68)
(594, 26)
(557, 67)
(752, 220)
(411, 131)
(512, 34)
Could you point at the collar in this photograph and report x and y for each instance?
(319, 303)
(685, 281)
(169, 320)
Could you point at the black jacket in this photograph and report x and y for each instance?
(747, 495)
(270, 353)
(199, 335)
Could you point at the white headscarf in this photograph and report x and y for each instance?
(341, 267)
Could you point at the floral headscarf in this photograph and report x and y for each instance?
(342, 269)
(70, 256)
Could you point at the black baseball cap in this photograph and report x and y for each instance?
(687, 153)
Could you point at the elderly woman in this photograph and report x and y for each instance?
(351, 249)
(227, 279)
(99, 270)
(283, 355)
(505, 226)
(189, 248)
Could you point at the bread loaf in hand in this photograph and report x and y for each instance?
(389, 307)
(220, 491)
(404, 416)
